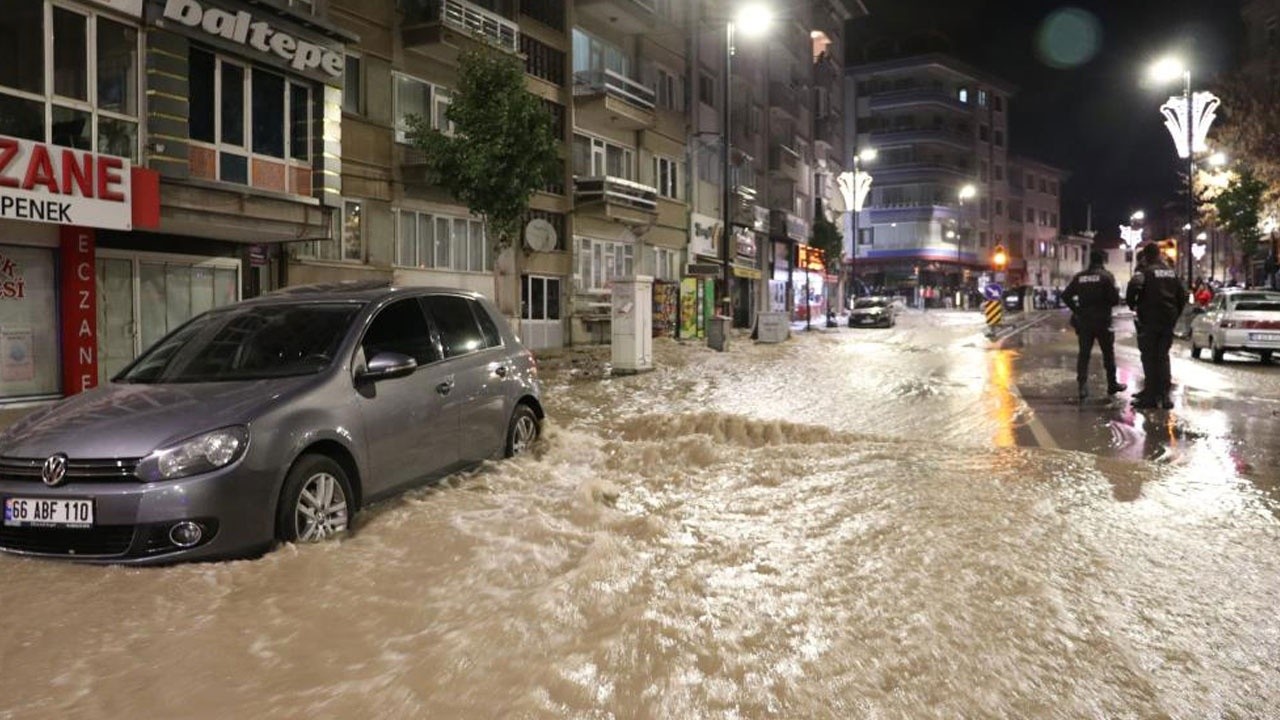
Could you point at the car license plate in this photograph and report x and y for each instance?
(48, 512)
(1265, 337)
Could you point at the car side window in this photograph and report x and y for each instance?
(459, 331)
(401, 328)
(492, 338)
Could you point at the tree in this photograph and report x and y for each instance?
(501, 149)
(1250, 128)
(1239, 208)
(827, 238)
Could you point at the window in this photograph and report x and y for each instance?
(999, 207)
(351, 80)
(997, 103)
(999, 170)
(664, 263)
(669, 88)
(92, 61)
(999, 138)
(984, 209)
(1044, 217)
(600, 262)
(666, 176)
(963, 95)
(238, 112)
(982, 98)
(1031, 181)
(594, 157)
(400, 328)
(30, 339)
(1053, 188)
(542, 60)
(540, 298)
(594, 54)
(456, 320)
(984, 133)
(1053, 220)
(706, 89)
(443, 242)
(867, 236)
(415, 98)
(1044, 186)
(982, 170)
(1031, 215)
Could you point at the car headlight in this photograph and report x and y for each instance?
(196, 455)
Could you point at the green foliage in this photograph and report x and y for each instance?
(827, 238)
(1239, 207)
(502, 149)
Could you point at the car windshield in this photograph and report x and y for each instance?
(250, 342)
(870, 303)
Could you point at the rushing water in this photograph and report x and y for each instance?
(821, 529)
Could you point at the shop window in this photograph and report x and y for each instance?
(29, 360)
(92, 103)
(600, 262)
(248, 126)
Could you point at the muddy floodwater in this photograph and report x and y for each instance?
(842, 526)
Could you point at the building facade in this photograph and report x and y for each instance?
(1038, 254)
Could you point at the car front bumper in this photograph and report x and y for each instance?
(234, 506)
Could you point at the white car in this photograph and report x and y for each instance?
(1246, 320)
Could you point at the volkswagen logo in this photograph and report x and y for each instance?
(54, 470)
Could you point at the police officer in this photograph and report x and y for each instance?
(1091, 295)
(1157, 297)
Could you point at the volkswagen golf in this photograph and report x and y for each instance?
(275, 419)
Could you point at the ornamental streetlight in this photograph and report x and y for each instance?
(1188, 119)
(854, 187)
(754, 19)
(967, 192)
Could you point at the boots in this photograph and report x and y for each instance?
(1114, 387)
(1084, 390)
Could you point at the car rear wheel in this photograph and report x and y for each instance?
(1217, 352)
(1266, 357)
(1195, 349)
(314, 505)
(523, 431)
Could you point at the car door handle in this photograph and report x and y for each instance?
(445, 387)
(500, 371)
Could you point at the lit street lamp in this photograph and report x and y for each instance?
(854, 187)
(967, 192)
(1188, 119)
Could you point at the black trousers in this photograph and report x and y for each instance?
(1106, 339)
(1154, 344)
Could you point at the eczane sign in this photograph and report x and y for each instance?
(40, 182)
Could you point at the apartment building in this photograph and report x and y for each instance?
(1038, 254)
(939, 127)
(168, 152)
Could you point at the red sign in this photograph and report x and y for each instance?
(79, 311)
(48, 183)
(809, 257)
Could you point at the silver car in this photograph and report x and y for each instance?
(274, 419)
(1246, 320)
(874, 311)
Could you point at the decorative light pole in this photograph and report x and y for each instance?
(967, 192)
(754, 19)
(854, 188)
(1188, 119)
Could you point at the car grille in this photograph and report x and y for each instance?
(112, 470)
(101, 540)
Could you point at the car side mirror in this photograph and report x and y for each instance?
(387, 365)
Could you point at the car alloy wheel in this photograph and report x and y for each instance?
(523, 431)
(316, 502)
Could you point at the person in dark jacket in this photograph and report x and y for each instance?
(1157, 297)
(1091, 295)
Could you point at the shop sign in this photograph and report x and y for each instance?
(809, 257)
(12, 285)
(745, 245)
(79, 311)
(48, 183)
(703, 234)
(241, 28)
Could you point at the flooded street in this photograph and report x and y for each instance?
(853, 524)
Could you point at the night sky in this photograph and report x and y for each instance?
(1083, 104)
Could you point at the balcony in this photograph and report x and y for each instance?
(784, 224)
(606, 98)
(922, 168)
(615, 199)
(632, 17)
(911, 97)
(785, 162)
(432, 21)
(910, 136)
(829, 129)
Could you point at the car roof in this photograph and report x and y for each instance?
(351, 290)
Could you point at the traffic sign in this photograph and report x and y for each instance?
(992, 291)
(994, 311)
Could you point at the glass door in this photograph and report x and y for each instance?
(117, 318)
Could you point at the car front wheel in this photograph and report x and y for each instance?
(1215, 351)
(523, 431)
(1265, 355)
(315, 503)
(1195, 349)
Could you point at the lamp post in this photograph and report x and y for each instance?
(967, 192)
(754, 19)
(854, 187)
(1188, 119)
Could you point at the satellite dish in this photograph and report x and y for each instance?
(540, 235)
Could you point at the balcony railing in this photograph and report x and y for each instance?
(587, 82)
(783, 95)
(616, 191)
(468, 18)
(783, 158)
(916, 95)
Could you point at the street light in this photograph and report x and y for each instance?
(1218, 159)
(753, 19)
(1188, 119)
(1138, 216)
(854, 187)
(967, 192)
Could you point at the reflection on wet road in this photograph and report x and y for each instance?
(852, 524)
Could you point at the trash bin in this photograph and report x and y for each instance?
(718, 333)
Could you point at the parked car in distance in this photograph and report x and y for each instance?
(1246, 320)
(273, 419)
(874, 311)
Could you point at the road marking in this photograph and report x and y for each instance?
(1038, 431)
